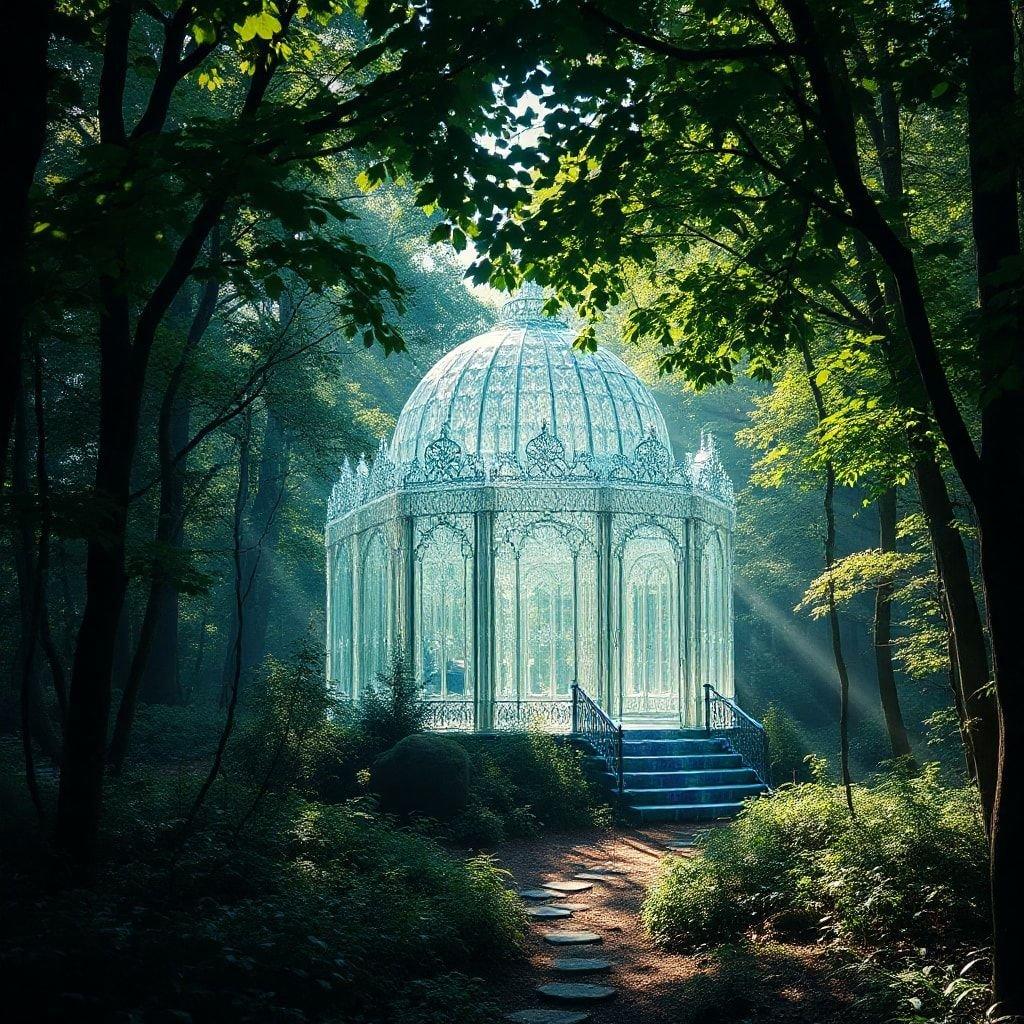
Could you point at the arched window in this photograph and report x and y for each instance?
(650, 626)
(374, 608)
(545, 596)
(443, 608)
(340, 664)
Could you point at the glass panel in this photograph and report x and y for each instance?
(443, 607)
(649, 628)
(341, 620)
(374, 608)
(547, 581)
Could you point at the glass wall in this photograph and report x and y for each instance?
(374, 607)
(650, 604)
(443, 609)
(545, 600)
(339, 668)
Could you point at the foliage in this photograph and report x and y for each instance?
(424, 774)
(908, 870)
(523, 784)
(853, 575)
(787, 750)
(311, 911)
(390, 709)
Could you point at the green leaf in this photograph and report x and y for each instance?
(264, 25)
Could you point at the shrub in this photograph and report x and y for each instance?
(910, 868)
(423, 774)
(322, 912)
(787, 750)
(532, 782)
(390, 709)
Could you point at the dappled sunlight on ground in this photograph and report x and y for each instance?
(762, 982)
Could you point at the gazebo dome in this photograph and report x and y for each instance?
(496, 392)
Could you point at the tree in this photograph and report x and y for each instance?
(139, 205)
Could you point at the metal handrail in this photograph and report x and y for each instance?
(746, 734)
(592, 724)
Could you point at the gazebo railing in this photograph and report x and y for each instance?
(747, 736)
(449, 715)
(591, 724)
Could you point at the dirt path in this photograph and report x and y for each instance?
(769, 982)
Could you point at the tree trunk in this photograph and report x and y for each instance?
(161, 683)
(262, 527)
(833, 612)
(27, 678)
(79, 803)
(993, 114)
(25, 83)
(899, 742)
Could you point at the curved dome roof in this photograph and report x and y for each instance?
(498, 391)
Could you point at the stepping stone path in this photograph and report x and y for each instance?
(580, 965)
(569, 886)
(565, 991)
(572, 938)
(548, 912)
(576, 992)
(544, 1016)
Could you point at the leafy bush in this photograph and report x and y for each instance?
(315, 911)
(910, 868)
(390, 709)
(787, 750)
(529, 782)
(423, 774)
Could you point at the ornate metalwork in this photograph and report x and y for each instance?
(725, 718)
(449, 715)
(545, 456)
(591, 725)
(523, 715)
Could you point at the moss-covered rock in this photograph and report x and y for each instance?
(423, 774)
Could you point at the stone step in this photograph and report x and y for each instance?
(580, 965)
(573, 938)
(571, 885)
(663, 734)
(686, 779)
(540, 913)
(544, 1015)
(692, 795)
(576, 992)
(681, 763)
(672, 747)
(649, 814)
(538, 894)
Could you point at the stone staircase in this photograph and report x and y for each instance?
(678, 775)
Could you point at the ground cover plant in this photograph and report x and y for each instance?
(899, 887)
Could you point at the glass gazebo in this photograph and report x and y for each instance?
(528, 528)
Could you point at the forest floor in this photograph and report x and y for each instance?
(763, 981)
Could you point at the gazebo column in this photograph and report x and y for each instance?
(694, 703)
(405, 602)
(483, 619)
(604, 694)
(357, 615)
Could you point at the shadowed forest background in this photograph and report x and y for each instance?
(240, 234)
